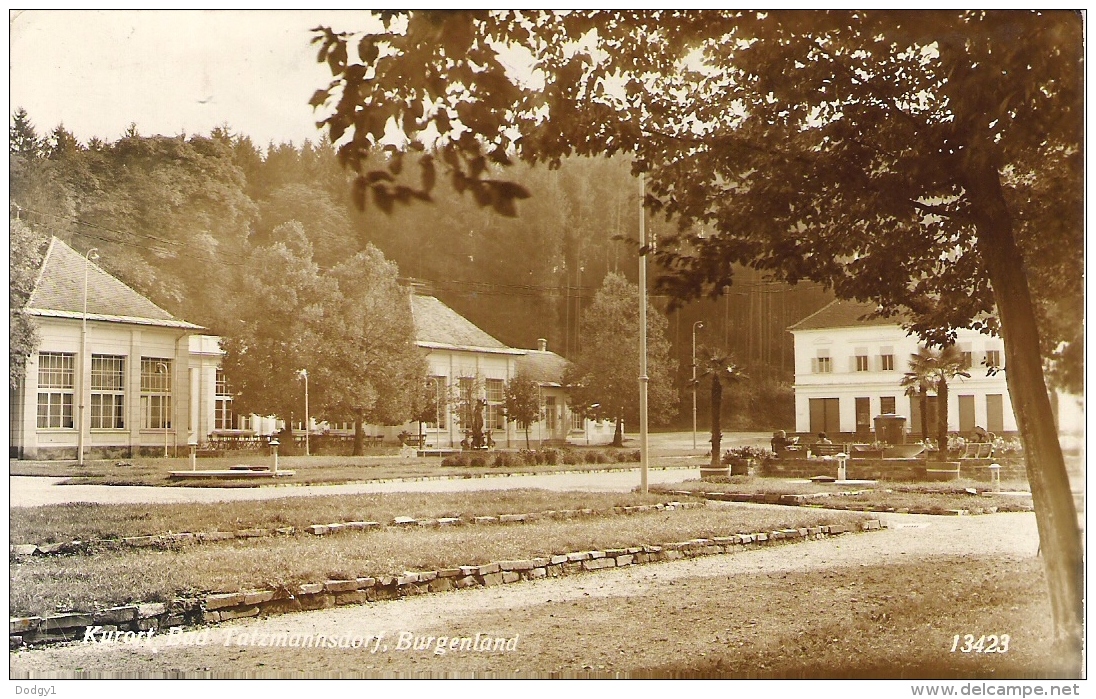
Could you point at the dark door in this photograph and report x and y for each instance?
(825, 415)
(966, 414)
(995, 413)
(863, 415)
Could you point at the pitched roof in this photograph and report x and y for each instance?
(844, 314)
(439, 326)
(543, 367)
(59, 293)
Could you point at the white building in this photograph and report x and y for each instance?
(848, 369)
(122, 388)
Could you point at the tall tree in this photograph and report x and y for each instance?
(26, 249)
(365, 362)
(522, 402)
(918, 381)
(605, 369)
(923, 160)
(719, 368)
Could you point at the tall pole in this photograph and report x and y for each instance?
(91, 254)
(696, 326)
(307, 420)
(643, 455)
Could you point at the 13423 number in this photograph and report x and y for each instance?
(983, 644)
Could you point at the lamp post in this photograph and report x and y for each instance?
(162, 368)
(307, 420)
(698, 325)
(92, 254)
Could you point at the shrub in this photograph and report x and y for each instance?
(456, 461)
(590, 456)
(478, 461)
(570, 457)
(601, 457)
(551, 456)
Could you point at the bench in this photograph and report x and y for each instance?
(826, 449)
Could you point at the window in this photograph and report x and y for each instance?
(578, 420)
(861, 362)
(822, 364)
(155, 393)
(496, 395)
(108, 393)
(56, 382)
(993, 358)
(967, 359)
(223, 417)
(441, 405)
(465, 387)
(886, 405)
(886, 362)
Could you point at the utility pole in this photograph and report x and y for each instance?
(643, 451)
(307, 420)
(698, 325)
(90, 255)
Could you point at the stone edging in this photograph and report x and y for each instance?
(148, 541)
(130, 620)
(806, 500)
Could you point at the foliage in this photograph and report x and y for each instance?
(522, 402)
(606, 367)
(26, 249)
(755, 453)
(720, 368)
(930, 162)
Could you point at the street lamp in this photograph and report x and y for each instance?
(698, 325)
(90, 255)
(162, 368)
(307, 421)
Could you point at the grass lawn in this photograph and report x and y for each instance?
(309, 469)
(84, 521)
(42, 585)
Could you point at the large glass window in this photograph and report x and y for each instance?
(155, 393)
(108, 392)
(56, 384)
(496, 395)
(466, 406)
(223, 417)
(861, 362)
(439, 385)
(993, 358)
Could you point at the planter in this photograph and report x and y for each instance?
(740, 467)
(902, 451)
(708, 473)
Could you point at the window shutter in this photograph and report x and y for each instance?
(814, 365)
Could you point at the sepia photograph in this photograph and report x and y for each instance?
(723, 345)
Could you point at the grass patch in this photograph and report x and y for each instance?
(46, 585)
(309, 470)
(83, 521)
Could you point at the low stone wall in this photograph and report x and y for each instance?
(126, 622)
(909, 470)
(822, 500)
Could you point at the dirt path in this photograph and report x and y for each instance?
(612, 631)
(35, 491)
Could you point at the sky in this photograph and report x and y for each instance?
(171, 72)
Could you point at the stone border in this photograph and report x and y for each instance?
(806, 500)
(130, 620)
(69, 547)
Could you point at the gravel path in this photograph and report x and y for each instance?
(909, 538)
(35, 491)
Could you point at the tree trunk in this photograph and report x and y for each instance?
(359, 438)
(942, 417)
(1055, 513)
(527, 436)
(717, 409)
(618, 434)
(923, 401)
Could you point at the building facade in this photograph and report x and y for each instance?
(113, 380)
(848, 369)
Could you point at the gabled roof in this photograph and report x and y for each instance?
(438, 326)
(844, 314)
(59, 293)
(546, 368)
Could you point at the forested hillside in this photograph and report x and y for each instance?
(176, 217)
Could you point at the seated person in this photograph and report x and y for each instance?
(780, 442)
(980, 436)
(823, 439)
